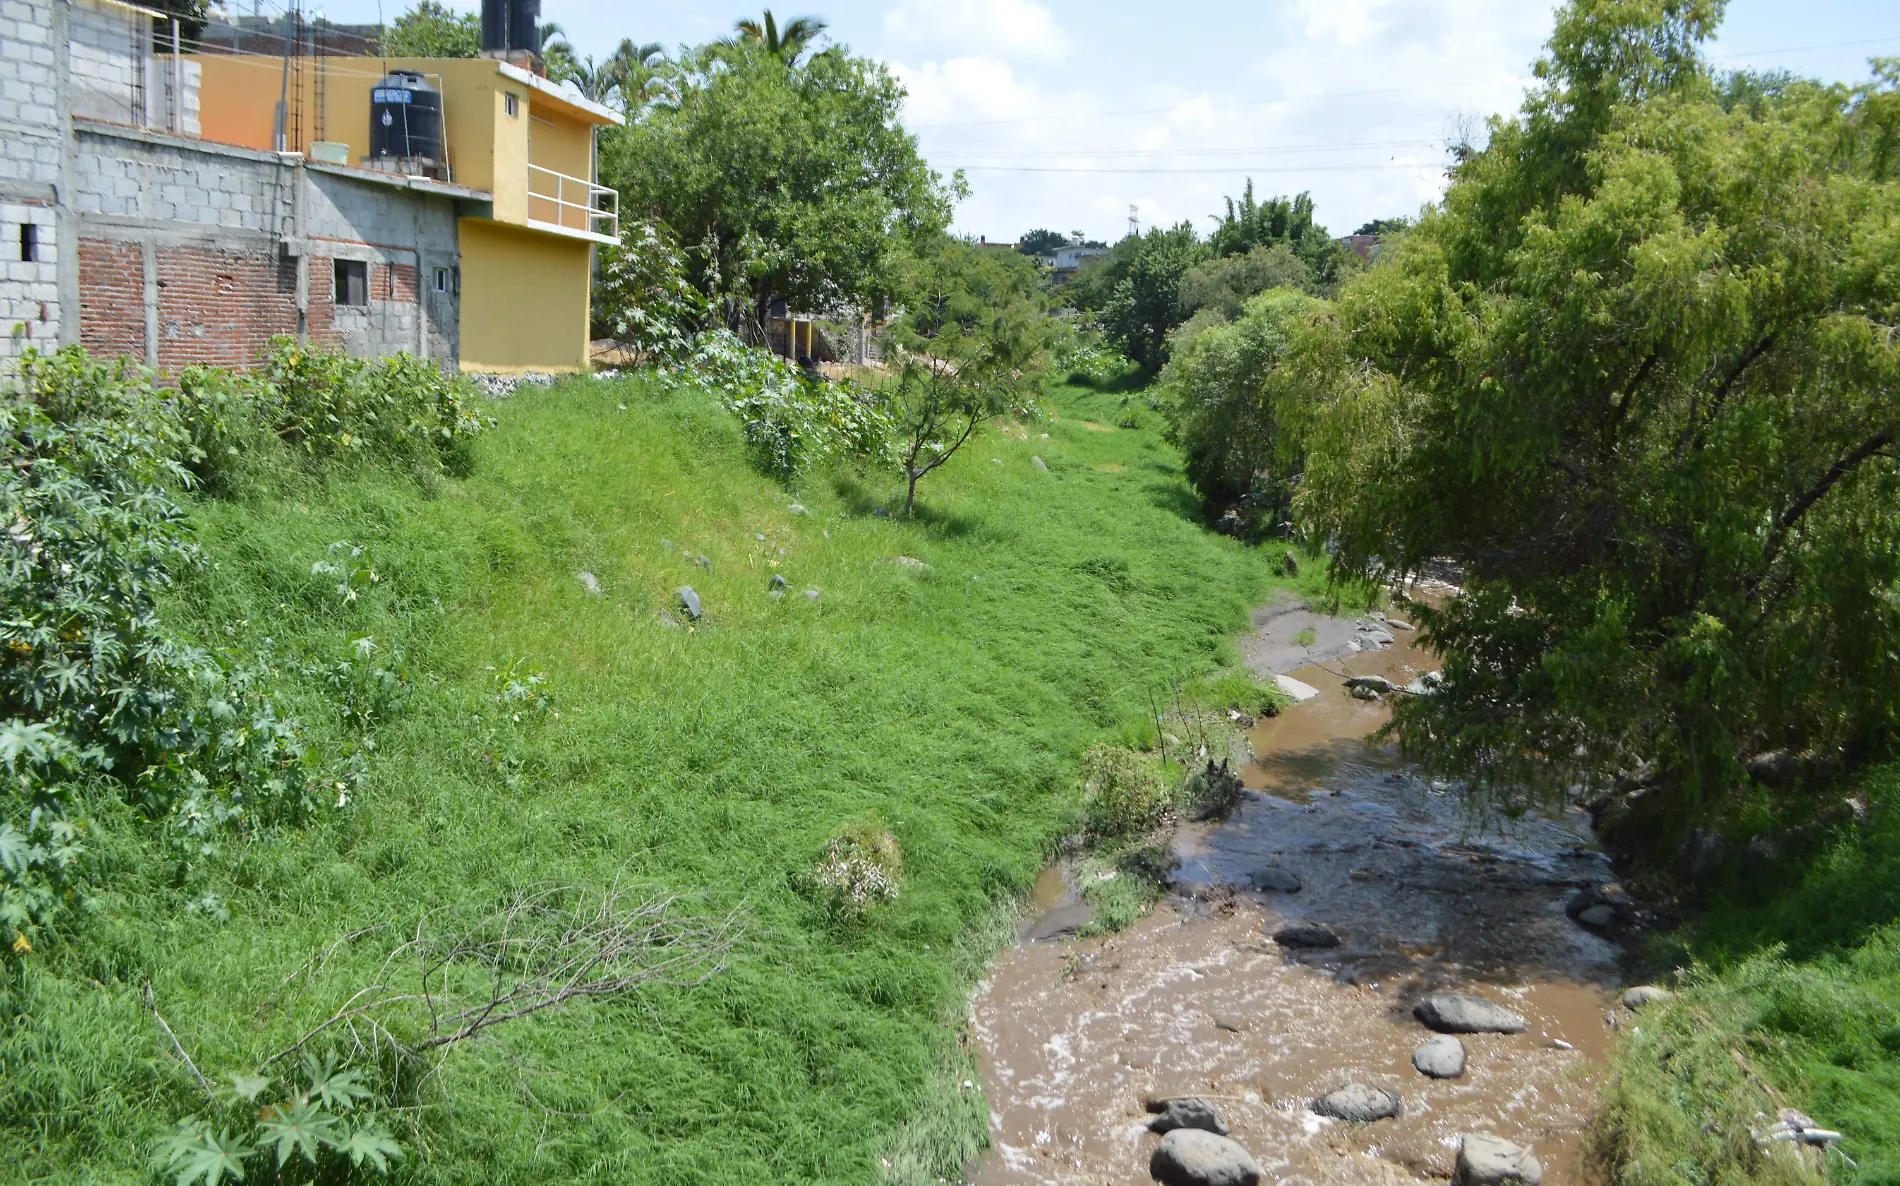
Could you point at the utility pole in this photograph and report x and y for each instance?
(1134, 219)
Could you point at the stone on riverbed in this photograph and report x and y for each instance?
(1294, 688)
(1358, 1103)
(1646, 994)
(1377, 683)
(1185, 1112)
(1485, 1160)
(1273, 877)
(1462, 1013)
(1191, 1157)
(1308, 934)
(1442, 1057)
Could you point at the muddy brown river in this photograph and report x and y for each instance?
(1075, 1034)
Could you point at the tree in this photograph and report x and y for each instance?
(1384, 226)
(1042, 242)
(786, 181)
(630, 70)
(1135, 291)
(973, 323)
(787, 44)
(434, 30)
(1637, 377)
(1249, 224)
(1221, 287)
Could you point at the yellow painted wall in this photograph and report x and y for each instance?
(564, 144)
(524, 299)
(510, 155)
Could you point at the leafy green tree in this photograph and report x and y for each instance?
(1041, 242)
(1220, 287)
(789, 181)
(1250, 224)
(787, 44)
(1135, 291)
(1638, 377)
(1220, 407)
(1384, 226)
(434, 30)
(973, 325)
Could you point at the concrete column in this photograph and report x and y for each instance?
(65, 216)
(297, 181)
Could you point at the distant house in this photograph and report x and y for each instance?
(1072, 257)
(1366, 247)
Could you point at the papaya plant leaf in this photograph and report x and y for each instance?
(300, 1126)
(247, 1087)
(336, 1089)
(373, 1146)
(195, 1154)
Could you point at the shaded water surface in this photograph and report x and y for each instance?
(1074, 1035)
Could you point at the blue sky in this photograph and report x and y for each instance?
(1066, 112)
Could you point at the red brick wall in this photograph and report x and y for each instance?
(221, 308)
(112, 298)
(393, 282)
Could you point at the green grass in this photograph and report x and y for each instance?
(951, 704)
(1792, 999)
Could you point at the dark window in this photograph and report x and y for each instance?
(352, 282)
(29, 243)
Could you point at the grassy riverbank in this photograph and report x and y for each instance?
(1792, 1000)
(947, 703)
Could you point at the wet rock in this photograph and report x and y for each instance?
(689, 602)
(1426, 684)
(1307, 935)
(1462, 1013)
(1776, 768)
(588, 581)
(1274, 878)
(1442, 1057)
(1289, 565)
(779, 582)
(1040, 464)
(1377, 683)
(1485, 1160)
(1601, 907)
(1191, 1157)
(1383, 638)
(1185, 1112)
(1598, 917)
(1701, 857)
(1364, 693)
(1646, 994)
(1294, 688)
(1358, 1103)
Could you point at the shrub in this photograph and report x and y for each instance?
(305, 1131)
(859, 872)
(1125, 792)
(643, 297)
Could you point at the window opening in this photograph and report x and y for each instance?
(441, 279)
(352, 282)
(513, 104)
(29, 243)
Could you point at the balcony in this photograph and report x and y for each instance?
(572, 206)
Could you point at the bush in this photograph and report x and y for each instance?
(859, 872)
(643, 297)
(1124, 791)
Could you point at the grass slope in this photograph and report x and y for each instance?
(951, 704)
(1793, 1000)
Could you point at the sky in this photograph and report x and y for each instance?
(1066, 114)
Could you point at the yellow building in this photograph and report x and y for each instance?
(528, 145)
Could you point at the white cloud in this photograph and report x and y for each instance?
(1017, 30)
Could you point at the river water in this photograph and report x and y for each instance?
(1075, 1034)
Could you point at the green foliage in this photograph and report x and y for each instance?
(642, 296)
(861, 870)
(788, 180)
(787, 44)
(1124, 791)
(1135, 291)
(1250, 225)
(1385, 226)
(1636, 378)
(1220, 403)
(1236, 691)
(305, 1131)
(434, 30)
(1041, 242)
(1219, 288)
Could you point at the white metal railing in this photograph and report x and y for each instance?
(575, 204)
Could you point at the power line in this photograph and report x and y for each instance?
(1029, 119)
(1798, 49)
(1228, 171)
(1086, 153)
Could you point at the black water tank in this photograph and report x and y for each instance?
(405, 117)
(511, 25)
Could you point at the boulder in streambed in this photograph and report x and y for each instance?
(1377, 683)
(1462, 1013)
(1442, 1057)
(1362, 692)
(1192, 1157)
(689, 602)
(1646, 994)
(1274, 878)
(1601, 907)
(1485, 1160)
(1185, 1112)
(1294, 688)
(1358, 1103)
(1308, 934)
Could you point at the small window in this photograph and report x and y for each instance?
(441, 279)
(513, 103)
(29, 243)
(352, 282)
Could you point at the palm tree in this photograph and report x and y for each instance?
(786, 44)
(630, 69)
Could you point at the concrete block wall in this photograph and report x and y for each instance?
(29, 278)
(30, 146)
(108, 64)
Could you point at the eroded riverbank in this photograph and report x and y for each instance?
(1198, 1000)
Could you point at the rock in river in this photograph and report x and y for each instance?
(1442, 1057)
(1309, 934)
(1185, 1112)
(1462, 1013)
(1191, 1157)
(1485, 1160)
(1273, 877)
(1646, 994)
(1358, 1103)
(1294, 688)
